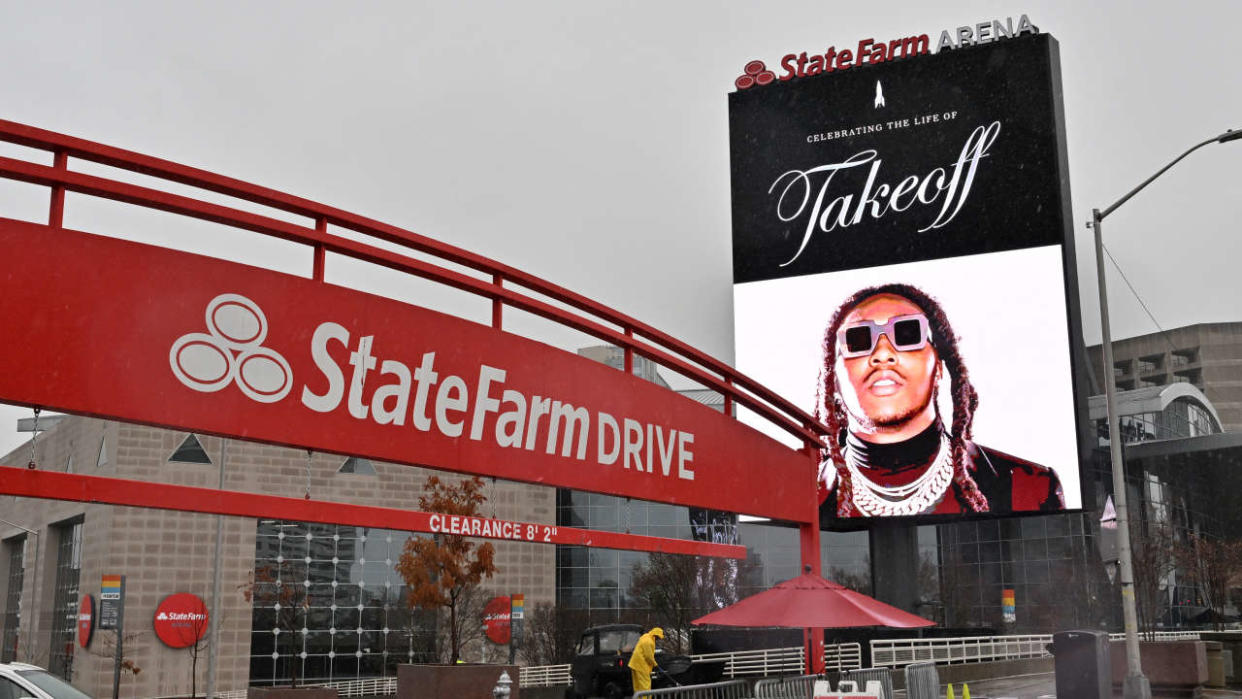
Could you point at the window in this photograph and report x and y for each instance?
(1150, 363)
(10, 689)
(102, 459)
(65, 609)
(15, 550)
(1201, 421)
(357, 465)
(190, 452)
(340, 599)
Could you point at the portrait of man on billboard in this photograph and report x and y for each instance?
(897, 397)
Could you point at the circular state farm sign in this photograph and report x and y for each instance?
(86, 620)
(496, 620)
(181, 620)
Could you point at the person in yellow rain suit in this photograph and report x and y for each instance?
(642, 661)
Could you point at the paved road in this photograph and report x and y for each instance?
(1041, 685)
(1024, 687)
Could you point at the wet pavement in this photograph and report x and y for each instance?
(1044, 685)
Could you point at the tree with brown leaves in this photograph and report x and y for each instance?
(441, 569)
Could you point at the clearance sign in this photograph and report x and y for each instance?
(154, 336)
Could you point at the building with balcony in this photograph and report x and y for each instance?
(1207, 356)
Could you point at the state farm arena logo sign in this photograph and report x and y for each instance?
(869, 51)
(181, 620)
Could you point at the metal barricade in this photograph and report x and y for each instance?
(733, 689)
(922, 681)
(799, 687)
(872, 674)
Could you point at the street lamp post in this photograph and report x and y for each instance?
(34, 583)
(1136, 685)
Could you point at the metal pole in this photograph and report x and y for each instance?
(1136, 685)
(34, 599)
(120, 643)
(213, 620)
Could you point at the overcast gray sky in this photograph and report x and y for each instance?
(587, 142)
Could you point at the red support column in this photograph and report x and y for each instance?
(56, 210)
(498, 308)
(321, 226)
(808, 537)
(629, 353)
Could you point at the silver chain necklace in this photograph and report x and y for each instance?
(915, 497)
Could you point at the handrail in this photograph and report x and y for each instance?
(731, 689)
(707, 370)
(780, 661)
(899, 652)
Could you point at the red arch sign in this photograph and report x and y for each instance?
(201, 344)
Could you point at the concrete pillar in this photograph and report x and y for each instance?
(895, 565)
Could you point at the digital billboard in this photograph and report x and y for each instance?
(903, 269)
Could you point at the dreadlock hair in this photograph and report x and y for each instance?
(831, 412)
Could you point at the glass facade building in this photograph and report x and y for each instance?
(329, 605)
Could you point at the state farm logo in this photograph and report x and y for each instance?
(180, 616)
(232, 351)
(754, 73)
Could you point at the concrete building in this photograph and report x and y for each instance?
(352, 623)
(1207, 356)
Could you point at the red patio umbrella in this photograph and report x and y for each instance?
(811, 602)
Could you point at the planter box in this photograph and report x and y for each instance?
(1171, 666)
(1215, 663)
(453, 681)
(1231, 653)
(292, 693)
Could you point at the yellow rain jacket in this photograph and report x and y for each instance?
(642, 661)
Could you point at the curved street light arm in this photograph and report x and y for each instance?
(1229, 135)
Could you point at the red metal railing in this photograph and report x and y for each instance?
(659, 347)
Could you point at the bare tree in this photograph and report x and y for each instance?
(958, 590)
(288, 599)
(198, 630)
(857, 579)
(462, 625)
(106, 648)
(1211, 563)
(1154, 560)
(551, 634)
(678, 589)
(418, 626)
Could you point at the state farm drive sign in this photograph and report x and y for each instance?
(150, 335)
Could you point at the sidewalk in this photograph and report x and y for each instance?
(1043, 685)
